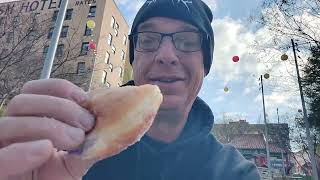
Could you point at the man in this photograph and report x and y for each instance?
(171, 45)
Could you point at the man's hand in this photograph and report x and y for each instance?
(39, 127)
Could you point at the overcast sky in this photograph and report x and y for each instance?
(234, 36)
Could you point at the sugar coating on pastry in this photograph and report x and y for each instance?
(123, 116)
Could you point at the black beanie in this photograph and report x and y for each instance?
(194, 12)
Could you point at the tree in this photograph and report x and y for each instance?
(24, 41)
(311, 86)
(291, 19)
(298, 20)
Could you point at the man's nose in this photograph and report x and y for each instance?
(167, 53)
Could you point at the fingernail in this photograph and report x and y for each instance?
(86, 119)
(41, 143)
(76, 134)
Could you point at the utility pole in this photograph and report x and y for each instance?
(278, 115)
(46, 70)
(305, 118)
(266, 128)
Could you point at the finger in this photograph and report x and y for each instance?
(55, 87)
(48, 106)
(24, 157)
(18, 129)
(68, 166)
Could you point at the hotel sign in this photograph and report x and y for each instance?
(36, 5)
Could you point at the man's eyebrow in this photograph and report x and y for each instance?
(189, 28)
(145, 26)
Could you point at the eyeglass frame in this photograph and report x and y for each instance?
(131, 37)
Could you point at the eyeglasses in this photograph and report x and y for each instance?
(186, 41)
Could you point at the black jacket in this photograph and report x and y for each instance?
(195, 155)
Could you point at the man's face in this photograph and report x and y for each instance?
(178, 74)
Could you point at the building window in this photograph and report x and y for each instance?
(69, 14)
(10, 37)
(117, 26)
(92, 11)
(113, 49)
(112, 22)
(104, 77)
(109, 39)
(107, 58)
(55, 15)
(123, 55)
(88, 31)
(60, 50)
(81, 69)
(110, 67)
(16, 21)
(116, 32)
(84, 48)
(124, 40)
(50, 33)
(64, 31)
(120, 71)
(1, 21)
(45, 51)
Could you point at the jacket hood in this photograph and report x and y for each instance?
(199, 124)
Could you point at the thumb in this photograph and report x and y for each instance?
(76, 166)
(20, 158)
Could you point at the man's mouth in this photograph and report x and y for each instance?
(166, 79)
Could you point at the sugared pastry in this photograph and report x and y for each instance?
(123, 116)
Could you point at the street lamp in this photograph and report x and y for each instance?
(266, 76)
(46, 70)
(284, 57)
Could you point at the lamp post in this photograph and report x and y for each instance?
(304, 110)
(265, 122)
(46, 70)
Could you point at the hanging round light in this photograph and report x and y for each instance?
(284, 57)
(235, 58)
(91, 24)
(226, 89)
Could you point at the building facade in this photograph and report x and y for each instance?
(90, 55)
(250, 140)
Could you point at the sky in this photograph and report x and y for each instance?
(235, 36)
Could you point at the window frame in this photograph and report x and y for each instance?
(55, 15)
(113, 49)
(110, 38)
(92, 11)
(68, 14)
(123, 55)
(84, 52)
(113, 21)
(88, 30)
(64, 34)
(79, 72)
(104, 77)
(58, 54)
(124, 40)
(107, 60)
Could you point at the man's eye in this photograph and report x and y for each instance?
(147, 39)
